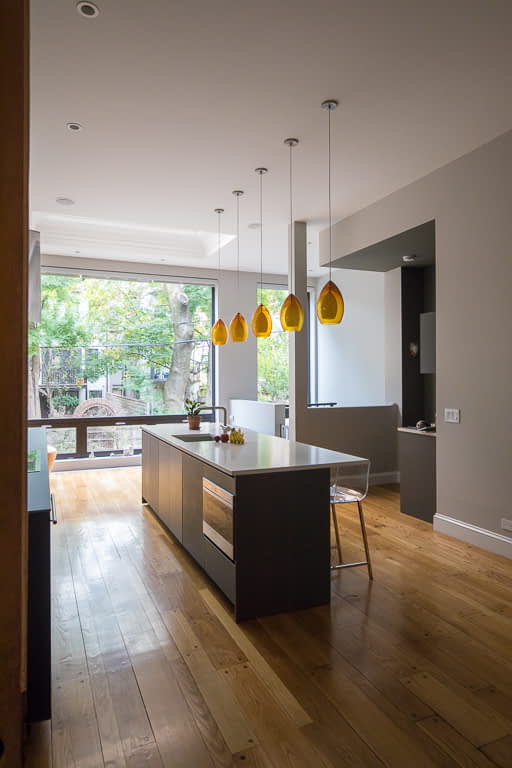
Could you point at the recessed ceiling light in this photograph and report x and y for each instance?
(89, 10)
(64, 201)
(410, 257)
(74, 126)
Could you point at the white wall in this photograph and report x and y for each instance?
(393, 337)
(351, 356)
(469, 199)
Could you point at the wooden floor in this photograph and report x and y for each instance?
(149, 669)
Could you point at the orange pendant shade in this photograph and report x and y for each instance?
(292, 314)
(330, 305)
(219, 333)
(238, 328)
(261, 322)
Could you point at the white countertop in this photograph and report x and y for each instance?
(260, 453)
(414, 431)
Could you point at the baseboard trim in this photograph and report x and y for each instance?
(384, 478)
(99, 462)
(473, 534)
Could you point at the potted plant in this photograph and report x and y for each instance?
(192, 408)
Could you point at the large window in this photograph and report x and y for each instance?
(273, 352)
(109, 348)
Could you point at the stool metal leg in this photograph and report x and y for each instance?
(337, 532)
(365, 539)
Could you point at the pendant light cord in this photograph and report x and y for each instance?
(219, 213)
(330, 208)
(292, 286)
(261, 237)
(238, 245)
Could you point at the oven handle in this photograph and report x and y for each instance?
(224, 496)
(53, 510)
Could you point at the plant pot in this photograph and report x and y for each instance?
(194, 421)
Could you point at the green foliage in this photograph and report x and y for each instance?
(192, 407)
(125, 326)
(65, 401)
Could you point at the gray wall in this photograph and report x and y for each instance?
(470, 200)
(367, 431)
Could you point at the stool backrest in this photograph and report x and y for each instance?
(352, 477)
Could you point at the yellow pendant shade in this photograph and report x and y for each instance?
(330, 305)
(219, 333)
(292, 314)
(238, 328)
(261, 322)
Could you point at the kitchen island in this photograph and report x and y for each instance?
(255, 517)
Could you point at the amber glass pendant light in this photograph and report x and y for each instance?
(292, 313)
(330, 306)
(261, 320)
(238, 328)
(219, 332)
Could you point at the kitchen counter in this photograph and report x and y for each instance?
(260, 453)
(255, 516)
(417, 463)
(40, 515)
(414, 431)
(38, 484)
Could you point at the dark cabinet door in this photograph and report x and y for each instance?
(39, 617)
(417, 462)
(193, 473)
(193, 507)
(150, 470)
(170, 488)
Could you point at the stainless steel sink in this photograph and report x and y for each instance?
(194, 438)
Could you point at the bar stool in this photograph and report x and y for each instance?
(349, 484)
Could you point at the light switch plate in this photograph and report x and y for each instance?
(506, 524)
(452, 415)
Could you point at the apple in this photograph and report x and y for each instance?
(224, 437)
(217, 438)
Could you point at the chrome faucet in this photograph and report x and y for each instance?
(216, 408)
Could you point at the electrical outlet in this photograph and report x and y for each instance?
(452, 415)
(506, 524)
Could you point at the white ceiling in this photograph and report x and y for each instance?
(181, 101)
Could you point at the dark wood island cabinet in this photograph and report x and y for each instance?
(266, 538)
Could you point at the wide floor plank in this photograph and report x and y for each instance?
(150, 669)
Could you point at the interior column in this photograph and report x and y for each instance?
(298, 357)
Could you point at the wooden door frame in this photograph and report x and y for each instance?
(14, 72)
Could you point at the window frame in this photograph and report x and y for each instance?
(80, 424)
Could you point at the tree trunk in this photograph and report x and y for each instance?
(176, 386)
(34, 405)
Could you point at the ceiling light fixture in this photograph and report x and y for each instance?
(64, 200)
(291, 314)
(74, 127)
(88, 10)
(238, 328)
(409, 258)
(261, 320)
(330, 306)
(219, 333)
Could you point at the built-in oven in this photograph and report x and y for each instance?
(218, 507)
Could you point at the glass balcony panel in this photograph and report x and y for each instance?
(114, 440)
(64, 440)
